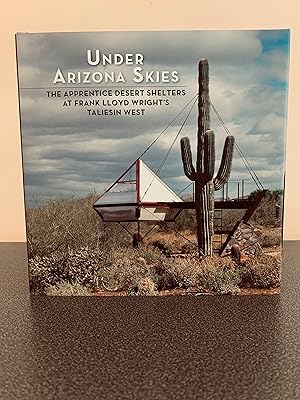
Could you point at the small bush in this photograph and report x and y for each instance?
(220, 275)
(212, 274)
(123, 273)
(186, 220)
(146, 287)
(170, 243)
(68, 289)
(261, 272)
(265, 214)
(230, 218)
(69, 223)
(271, 237)
(184, 272)
(163, 245)
(75, 267)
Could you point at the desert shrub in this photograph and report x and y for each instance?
(146, 270)
(261, 272)
(68, 289)
(68, 223)
(125, 267)
(265, 214)
(76, 267)
(69, 246)
(145, 287)
(123, 273)
(186, 220)
(131, 268)
(212, 274)
(121, 268)
(163, 245)
(170, 243)
(230, 218)
(184, 272)
(220, 281)
(159, 265)
(271, 238)
(164, 276)
(219, 275)
(152, 255)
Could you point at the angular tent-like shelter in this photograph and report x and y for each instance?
(138, 195)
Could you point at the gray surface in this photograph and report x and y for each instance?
(223, 347)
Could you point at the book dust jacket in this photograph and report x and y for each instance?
(154, 161)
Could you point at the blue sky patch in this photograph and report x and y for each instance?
(272, 40)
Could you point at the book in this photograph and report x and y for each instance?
(154, 161)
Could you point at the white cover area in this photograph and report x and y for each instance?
(125, 191)
(156, 214)
(152, 188)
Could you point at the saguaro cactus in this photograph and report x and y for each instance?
(203, 175)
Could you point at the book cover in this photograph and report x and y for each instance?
(154, 161)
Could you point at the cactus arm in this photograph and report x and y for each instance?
(226, 162)
(209, 155)
(187, 161)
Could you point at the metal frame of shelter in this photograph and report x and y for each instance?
(138, 202)
(249, 205)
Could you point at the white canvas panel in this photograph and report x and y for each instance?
(152, 188)
(149, 214)
(158, 214)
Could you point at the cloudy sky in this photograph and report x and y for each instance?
(68, 152)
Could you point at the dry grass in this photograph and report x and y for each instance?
(170, 242)
(68, 289)
(145, 271)
(261, 272)
(72, 252)
(271, 237)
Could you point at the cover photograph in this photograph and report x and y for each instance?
(154, 162)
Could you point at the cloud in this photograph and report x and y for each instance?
(68, 151)
(69, 49)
